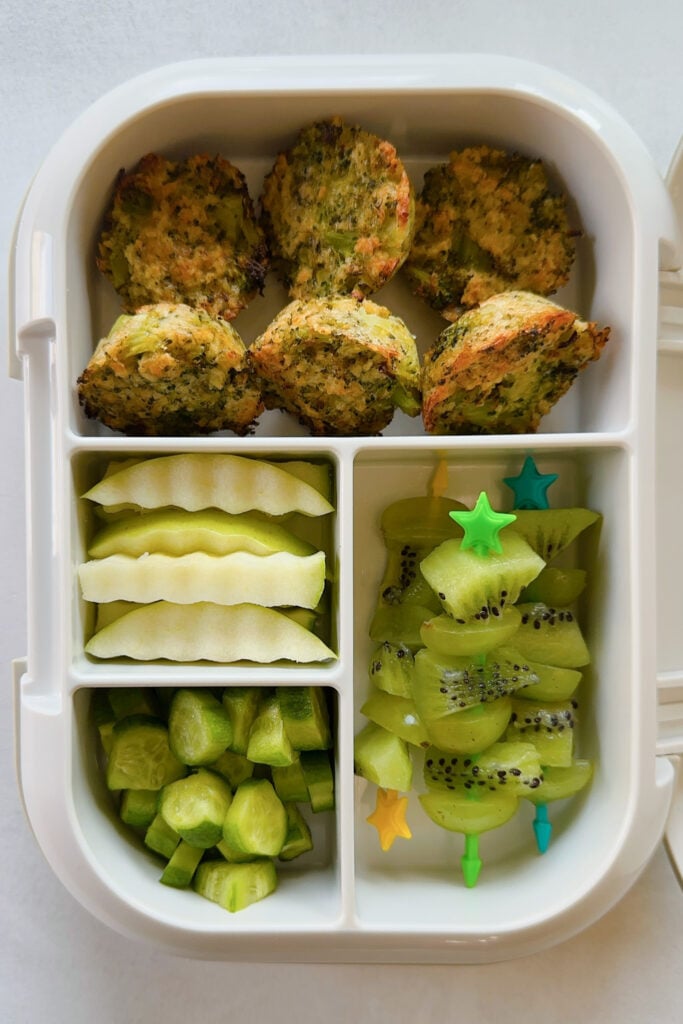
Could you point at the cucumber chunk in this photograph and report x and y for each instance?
(298, 839)
(241, 704)
(140, 756)
(138, 807)
(319, 778)
(305, 717)
(234, 768)
(256, 821)
(289, 783)
(195, 807)
(235, 886)
(199, 727)
(104, 717)
(161, 838)
(268, 740)
(180, 869)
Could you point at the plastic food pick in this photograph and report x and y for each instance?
(542, 828)
(530, 486)
(482, 526)
(470, 861)
(389, 817)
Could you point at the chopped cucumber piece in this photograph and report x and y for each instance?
(319, 778)
(180, 869)
(234, 768)
(241, 704)
(195, 807)
(104, 717)
(256, 821)
(305, 716)
(235, 886)
(298, 839)
(268, 741)
(232, 855)
(161, 838)
(131, 700)
(140, 756)
(289, 782)
(199, 727)
(138, 807)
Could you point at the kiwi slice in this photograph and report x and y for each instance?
(471, 730)
(548, 725)
(461, 810)
(400, 624)
(555, 586)
(382, 757)
(477, 635)
(554, 683)
(514, 766)
(396, 714)
(403, 582)
(559, 783)
(391, 669)
(549, 531)
(446, 685)
(551, 635)
(468, 585)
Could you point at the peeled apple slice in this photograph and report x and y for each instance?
(207, 632)
(178, 532)
(200, 480)
(238, 578)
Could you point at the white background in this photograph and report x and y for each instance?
(58, 964)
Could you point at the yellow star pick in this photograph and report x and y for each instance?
(389, 817)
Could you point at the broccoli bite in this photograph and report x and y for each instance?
(340, 366)
(338, 211)
(501, 367)
(170, 370)
(487, 222)
(183, 232)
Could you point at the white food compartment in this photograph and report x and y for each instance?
(348, 900)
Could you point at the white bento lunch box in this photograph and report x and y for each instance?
(349, 901)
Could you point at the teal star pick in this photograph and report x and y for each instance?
(530, 486)
(482, 526)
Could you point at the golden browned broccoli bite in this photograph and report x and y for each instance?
(338, 211)
(502, 366)
(340, 366)
(183, 232)
(486, 222)
(170, 370)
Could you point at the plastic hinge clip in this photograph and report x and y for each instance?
(670, 713)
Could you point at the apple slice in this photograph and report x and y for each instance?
(237, 578)
(178, 532)
(208, 632)
(200, 480)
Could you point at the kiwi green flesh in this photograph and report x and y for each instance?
(403, 582)
(555, 586)
(446, 635)
(392, 668)
(458, 810)
(554, 683)
(551, 531)
(560, 783)
(549, 726)
(399, 624)
(446, 685)
(514, 766)
(468, 584)
(382, 757)
(421, 521)
(471, 730)
(551, 636)
(396, 714)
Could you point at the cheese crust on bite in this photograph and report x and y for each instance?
(340, 366)
(338, 211)
(487, 222)
(183, 232)
(170, 370)
(501, 367)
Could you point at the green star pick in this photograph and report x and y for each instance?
(530, 486)
(482, 526)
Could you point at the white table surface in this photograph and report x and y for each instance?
(59, 964)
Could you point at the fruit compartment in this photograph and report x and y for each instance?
(309, 893)
(87, 466)
(251, 129)
(417, 884)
